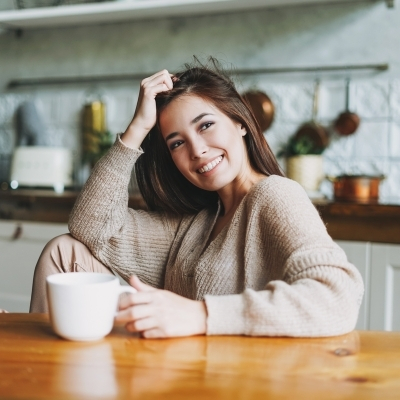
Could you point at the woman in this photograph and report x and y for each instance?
(230, 246)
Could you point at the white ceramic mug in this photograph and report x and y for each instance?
(83, 305)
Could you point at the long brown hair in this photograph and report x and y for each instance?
(160, 182)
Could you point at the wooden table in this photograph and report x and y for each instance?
(36, 364)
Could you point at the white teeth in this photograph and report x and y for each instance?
(210, 165)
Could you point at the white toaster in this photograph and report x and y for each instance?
(41, 167)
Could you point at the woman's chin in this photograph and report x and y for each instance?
(211, 185)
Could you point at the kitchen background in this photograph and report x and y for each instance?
(292, 36)
(325, 33)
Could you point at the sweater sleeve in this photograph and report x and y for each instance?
(320, 292)
(127, 241)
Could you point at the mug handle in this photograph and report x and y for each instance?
(126, 289)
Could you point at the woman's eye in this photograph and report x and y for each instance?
(206, 125)
(175, 144)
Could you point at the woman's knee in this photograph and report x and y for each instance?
(50, 258)
(66, 254)
(65, 241)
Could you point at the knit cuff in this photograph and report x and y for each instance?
(118, 161)
(140, 150)
(225, 315)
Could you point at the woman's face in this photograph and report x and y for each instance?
(206, 146)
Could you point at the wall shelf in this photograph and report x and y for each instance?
(29, 82)
(114, 11)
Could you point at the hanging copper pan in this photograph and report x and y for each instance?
(312, 130)
(347, 122)
(262, 106)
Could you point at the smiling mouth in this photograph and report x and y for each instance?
(211, 165)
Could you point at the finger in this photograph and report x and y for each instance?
(166, 79)
(135, 299)
(152, 92)
(159, 73)
(141, 325)
(136, 283)
(134, 313)
(154, 333)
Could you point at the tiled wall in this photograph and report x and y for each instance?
(373, 149)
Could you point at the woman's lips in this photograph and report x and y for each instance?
(210, 166)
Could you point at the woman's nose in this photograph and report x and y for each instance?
(198, 148)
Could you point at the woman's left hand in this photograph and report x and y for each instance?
(159, 313)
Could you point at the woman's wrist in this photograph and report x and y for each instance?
(133, 136)
(202, 319)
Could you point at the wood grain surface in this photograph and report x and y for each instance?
(36, 364)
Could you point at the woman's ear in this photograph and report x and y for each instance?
(243, 130)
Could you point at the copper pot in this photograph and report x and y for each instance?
(356, 188)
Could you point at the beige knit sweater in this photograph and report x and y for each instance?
(274, 270)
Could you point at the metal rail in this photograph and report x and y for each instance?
(16, 83)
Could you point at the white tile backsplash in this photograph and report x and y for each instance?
(390, 187)
(332, 100)
(341, 146)
(373, 166)
(373, 149)
(372, 99)
(279, 133)
(6, 139)
(70, 106)
(8, 105)
(335, 166)
(48, 106)
(395, 98)
(294, 103)
(394, 139)
(372, 139)
(120, 109)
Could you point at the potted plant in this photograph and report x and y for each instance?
(304, 162)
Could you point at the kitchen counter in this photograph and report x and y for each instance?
(345, 221)
(44, 205)
(362, 222)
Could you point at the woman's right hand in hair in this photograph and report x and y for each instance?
(145, 114)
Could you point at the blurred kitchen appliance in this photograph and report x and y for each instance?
(31, 129)
(36, 166)
(356, 188)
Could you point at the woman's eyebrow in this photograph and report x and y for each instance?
(197, 119)
(170, 136)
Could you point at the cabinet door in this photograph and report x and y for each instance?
(358, 253)
(385, 287)
(18, 256)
